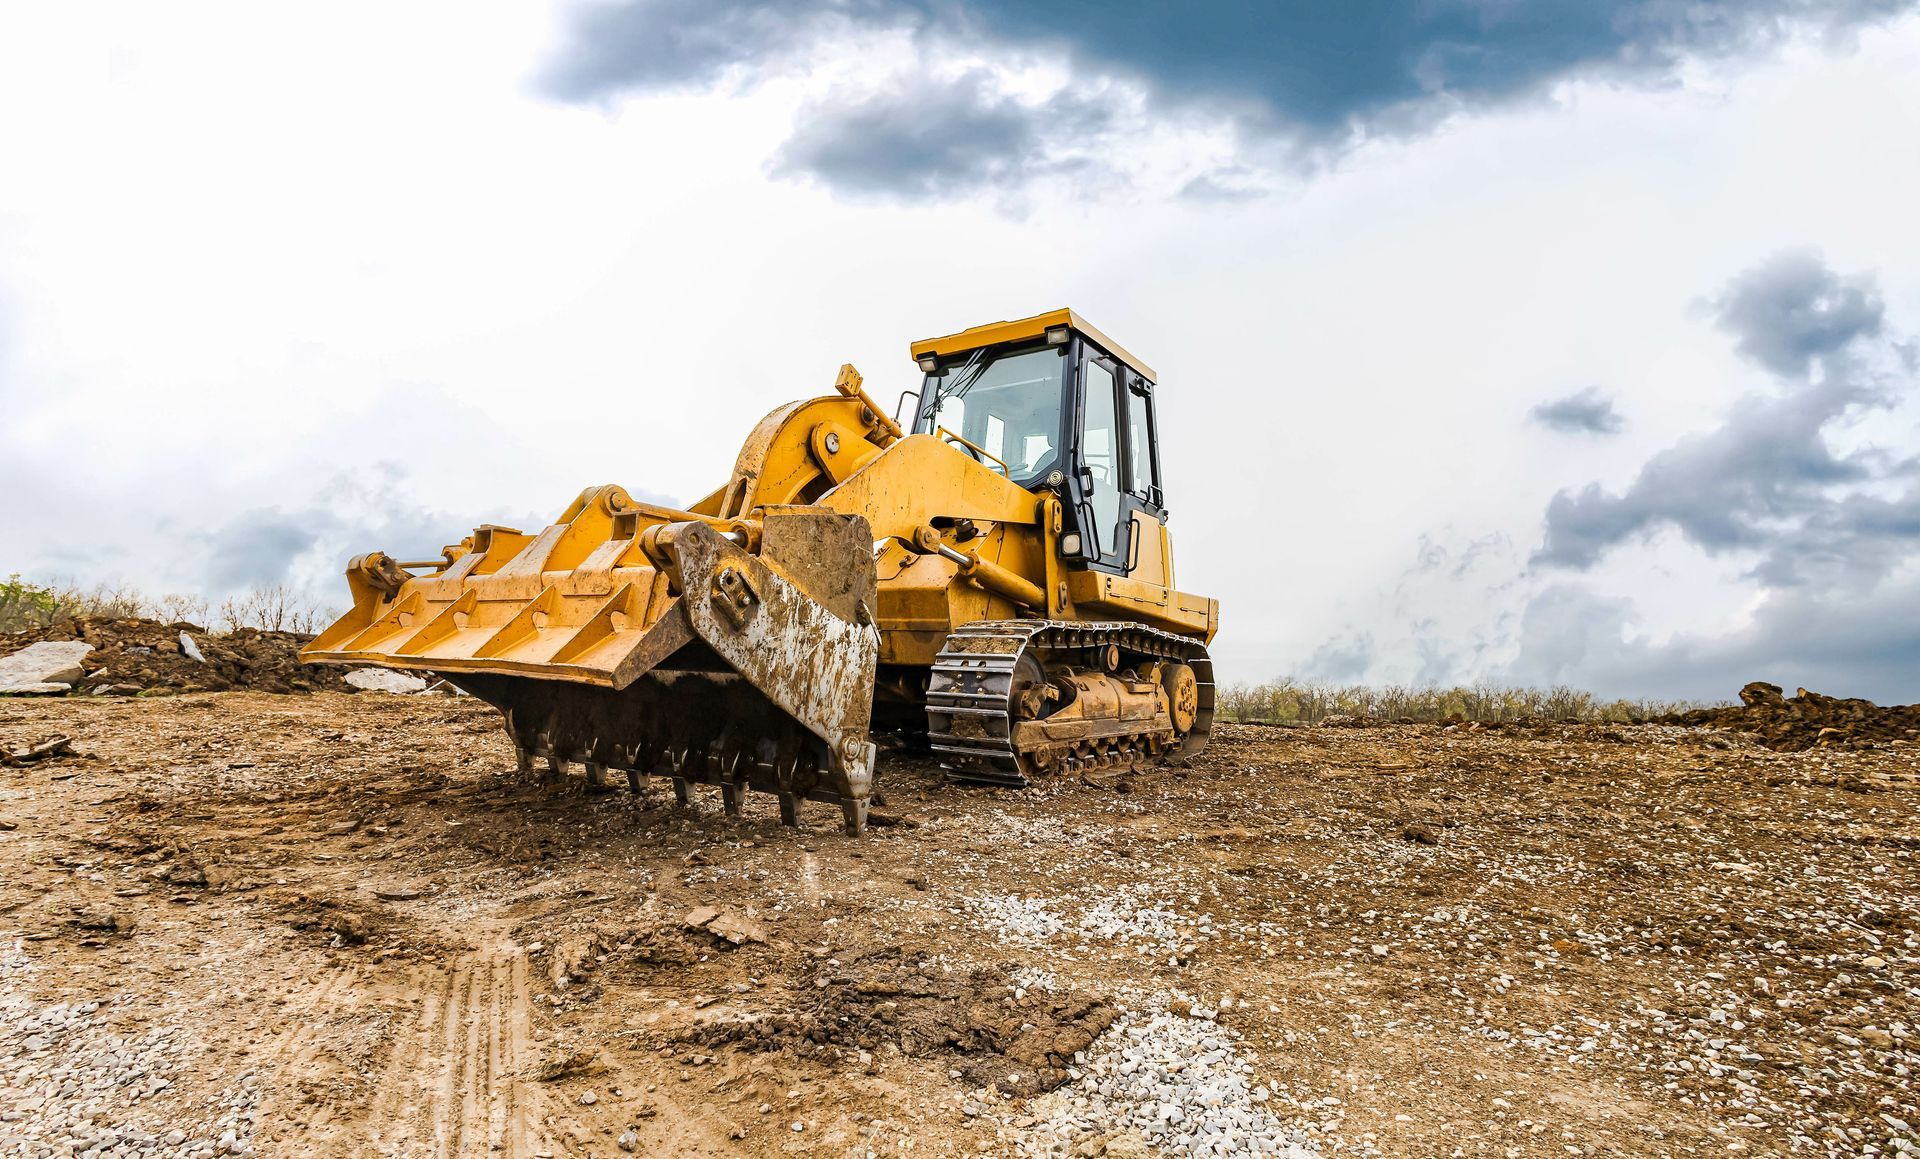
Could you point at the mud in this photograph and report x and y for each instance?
(1808, 720)
(135, 657)
(360, 930)
(999, 1033)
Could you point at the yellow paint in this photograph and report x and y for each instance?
(1027, 330)
(593, 597)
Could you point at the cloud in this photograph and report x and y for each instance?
(308, 546)
(1341, 660)
(1770, 480)
(1822, 521)
(1584, 412)
(1318, 76)
(1792, 311)
(1849, 645)
(669, 44)
(931, 139)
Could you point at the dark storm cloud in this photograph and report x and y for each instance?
(1341, 660)
(926, 139)
(1852, 644)
(1317, 74)
(664, 44)
(1584, 412)
(1791, 311)
(259, 547)
(1769, 480)
(263, 546)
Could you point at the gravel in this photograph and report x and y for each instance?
(1133, 916)
(1176, 1082)
(71, 1085)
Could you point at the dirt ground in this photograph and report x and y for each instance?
(343, 925)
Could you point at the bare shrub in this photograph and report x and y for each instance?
(100, 602)
(181, 608)
(272, 609)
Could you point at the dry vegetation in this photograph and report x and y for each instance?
(25, 605)
(1291, 702)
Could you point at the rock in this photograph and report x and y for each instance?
(628, 1141)
(350, 928)
(186, 871)
(41, 689)
(396, 891)
(699, 917)
(191, 650)
(736, 929)
(385, 680)
(572, 959)
(48, 662)
(52, 747)
(1420, 833)
(561, 1064)
(98, 918)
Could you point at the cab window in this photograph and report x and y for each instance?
(1006, 404)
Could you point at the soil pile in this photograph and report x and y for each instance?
(1007, 1036)
(1807, 719)
(130, 657)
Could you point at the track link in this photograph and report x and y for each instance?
(970, 695)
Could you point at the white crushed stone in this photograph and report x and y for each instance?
(385, 680)
(1179, 1083)
(72, 1086)
(1130, 915)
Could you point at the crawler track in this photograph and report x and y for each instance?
(970, 697)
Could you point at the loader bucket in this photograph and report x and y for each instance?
(651, 642)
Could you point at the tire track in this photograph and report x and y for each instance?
(285, 1055)
(453, 1084)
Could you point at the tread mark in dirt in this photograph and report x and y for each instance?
(293, 1051)
(453, 1085)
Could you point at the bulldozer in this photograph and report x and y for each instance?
(995, 585)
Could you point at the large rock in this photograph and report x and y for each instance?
(385, 680)
(45, 663)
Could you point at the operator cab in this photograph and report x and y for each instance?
(1052, 403)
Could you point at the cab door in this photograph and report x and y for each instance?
(1117, 498)
(1100, 464)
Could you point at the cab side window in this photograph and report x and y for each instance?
(1100, 454)
(1143, 477)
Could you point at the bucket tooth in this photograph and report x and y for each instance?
(636, 781)
(682, 794)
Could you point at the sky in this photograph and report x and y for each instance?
(1554, 342)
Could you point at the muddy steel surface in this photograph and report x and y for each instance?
(344, 925)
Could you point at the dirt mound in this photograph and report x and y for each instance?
(1807, 719)
(130, 657)
(1017, 1039)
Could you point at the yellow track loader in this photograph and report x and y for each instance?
(996, 585)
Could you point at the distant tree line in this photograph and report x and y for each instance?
(25, 605)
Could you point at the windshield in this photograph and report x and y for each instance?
(1006, 404)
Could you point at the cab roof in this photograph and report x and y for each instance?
(998, 333)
